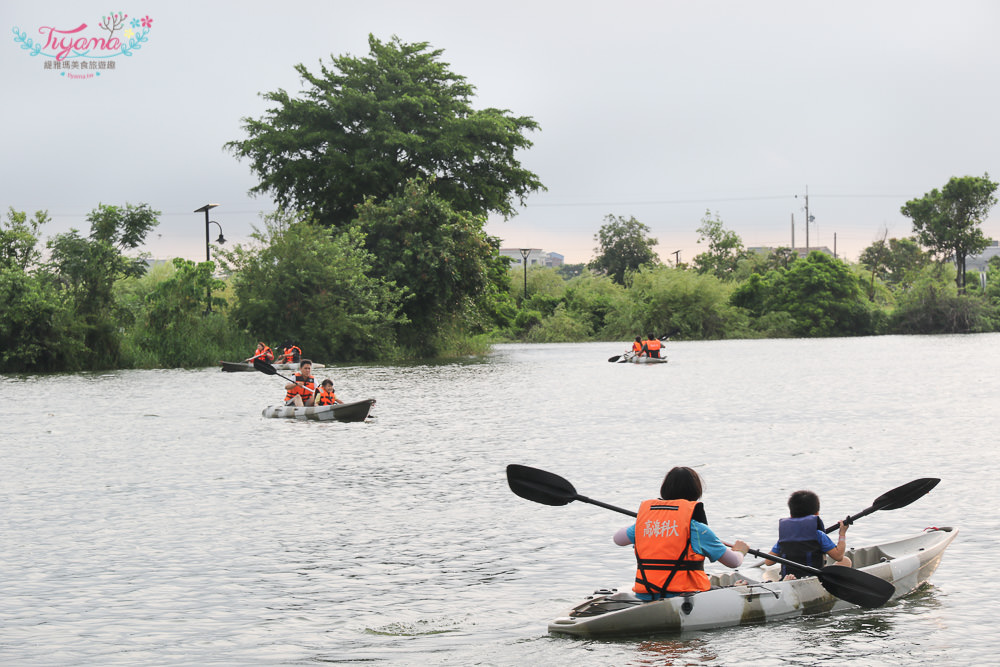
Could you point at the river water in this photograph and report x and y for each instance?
(154, 517)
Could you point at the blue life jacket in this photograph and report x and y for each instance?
(797, 541)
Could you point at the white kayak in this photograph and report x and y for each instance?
(357, 411)
(646, 360)
(907, 564)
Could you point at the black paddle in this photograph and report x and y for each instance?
(854, 586)
(901, 496)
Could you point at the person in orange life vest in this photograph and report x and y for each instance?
(652, 346)
(326, 395)
(637, 346)
(291, 353)
(301, 392)
(672, 540)
(802, 537)
(262, 352)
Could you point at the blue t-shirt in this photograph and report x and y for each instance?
(703, 541)
(825, 543)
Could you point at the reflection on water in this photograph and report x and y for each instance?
(153, 517)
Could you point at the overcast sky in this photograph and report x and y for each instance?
(659, 110)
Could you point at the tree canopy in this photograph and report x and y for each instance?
(364, 127)
(624, 245)
(725, 248)
(948, 221)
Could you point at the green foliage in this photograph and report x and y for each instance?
(895, 262)
(725, 248)
(820, 294)
(755, 262)
(169, 325)
(623, 247)
(313, 286)
(19, 240)
(662, 298)
(38, 331)
(364, 127)
(560, 327)
(593, 299)
(87, 268)
(932, 305)
(449, 269)
(948, 222)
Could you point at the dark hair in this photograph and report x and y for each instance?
(681, 483)
(325, 382)
(305, 361)
(638, 339)
(803, 503)
(651, 336)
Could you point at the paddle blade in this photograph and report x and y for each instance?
(904, 495)
(539, 486)
(264, 367)
(614, 358)
(857, 587)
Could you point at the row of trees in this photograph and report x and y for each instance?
(384, 174)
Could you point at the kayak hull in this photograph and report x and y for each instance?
(242, 366)
(646, 360)
(907, 563)
(357, 411)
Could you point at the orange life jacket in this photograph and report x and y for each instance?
(653, 347)
(305, 392)
(637, 347)
(665, 561)
(266, 354)
(324, 398)
(291, 354)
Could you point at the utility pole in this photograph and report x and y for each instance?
(677, 258)
(793, 232)
(807, 220)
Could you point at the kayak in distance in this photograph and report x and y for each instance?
(241, 366)
(357, 411)
(753, 594)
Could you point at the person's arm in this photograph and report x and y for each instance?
(837, 553)
(704, 541)
(622, 538)
(734, 555)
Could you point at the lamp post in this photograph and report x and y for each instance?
(524, 256)
(206, 208)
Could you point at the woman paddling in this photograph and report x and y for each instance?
(672, 540)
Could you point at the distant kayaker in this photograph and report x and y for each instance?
(802, 538)
(326, 394)
(637, 346)
(290, 354)
(672, 540)
(652, 346)
(301, 392)
(263, 352)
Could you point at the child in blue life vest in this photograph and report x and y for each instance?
(801, 537)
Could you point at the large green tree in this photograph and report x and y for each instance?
(624, 245)
(450, 270)
(892, 261)
(364, 127)
(948, 221)
(88, 266)
(725, 248)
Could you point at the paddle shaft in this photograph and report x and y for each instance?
(269, 369)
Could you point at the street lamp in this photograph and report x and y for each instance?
(206, 208)
(524, 255)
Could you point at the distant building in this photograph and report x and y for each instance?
(981, 261)
(535, 257)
